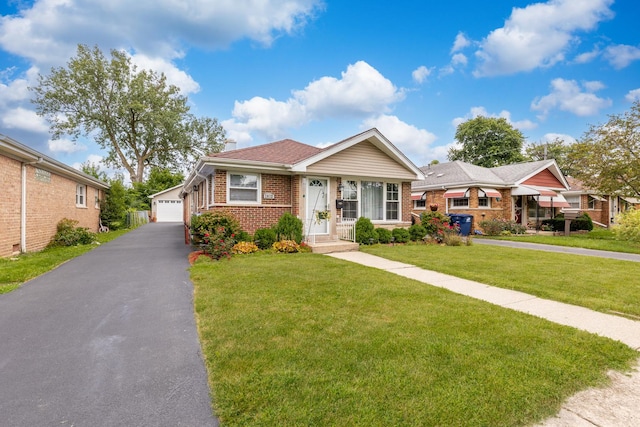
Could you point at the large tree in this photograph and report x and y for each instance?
(556, 149)
(607, 157)
(135, 114)
(488, 142)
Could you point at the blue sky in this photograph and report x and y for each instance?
(321, 71)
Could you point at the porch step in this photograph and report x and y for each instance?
(335, 246)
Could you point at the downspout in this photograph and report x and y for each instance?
(23, 205)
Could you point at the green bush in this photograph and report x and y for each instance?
(583, 222)
(264, 238)
(417, 232)
(289, 228)
(384, 235)
(401, 235)
(434, 223)
(211, 222)
(628, 226)
(365, 232)
(243, 236)
(497, 227)
(67, 234)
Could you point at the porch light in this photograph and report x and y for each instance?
(195, 188)
(340, 187)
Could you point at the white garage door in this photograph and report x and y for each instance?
(169, 211)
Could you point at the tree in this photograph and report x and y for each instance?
(113, 208)
(159, 179)
(556, 149)
(607, 157)
(488, 142)
(93, 169)
(135, 114)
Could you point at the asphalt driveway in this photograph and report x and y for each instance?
(107, 339)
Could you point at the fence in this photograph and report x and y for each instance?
(346, 228)
(137, 218)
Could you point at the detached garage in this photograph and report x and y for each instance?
(166, 206)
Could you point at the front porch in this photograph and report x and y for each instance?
(333, 246)
(343, 240)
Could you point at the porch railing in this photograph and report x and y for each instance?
(346, 228)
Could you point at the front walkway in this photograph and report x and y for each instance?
(106, 339)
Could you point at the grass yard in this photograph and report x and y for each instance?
(305, 339)
(603, 240)
(17, 270)
(605, 285)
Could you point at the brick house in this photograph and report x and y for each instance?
(38, 192)
(524, 192)
(362, 176)
(602, 208)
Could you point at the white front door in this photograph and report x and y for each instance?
(317, 197)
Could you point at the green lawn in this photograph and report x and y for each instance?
(599, 284)
(305, 339)
(17, 270)
(603, 240)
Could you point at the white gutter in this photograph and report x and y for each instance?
(23, 205)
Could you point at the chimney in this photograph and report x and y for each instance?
(230, 144)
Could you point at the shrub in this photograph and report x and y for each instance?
(583, 222)
(365, 232)
(289, 228)
(286, 246)
(219, 243)
(384, 235)
(67, 234)
(628, 226)
(496, 227)
(244, 247)
(434, 223)
(417, 232)
(452, 239)
(211, 222)
(264, 238)
(243, 236)
(401, 235)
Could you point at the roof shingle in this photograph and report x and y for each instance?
(286, 151)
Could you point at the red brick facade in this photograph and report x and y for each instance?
(50, 197)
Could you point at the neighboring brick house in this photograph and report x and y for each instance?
(524, 192)
(37, 192)
(602, 208)
(362, 176)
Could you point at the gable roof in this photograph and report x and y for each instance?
(12, 148)
(288, 156)
(286, 151)
(461, 174)
(159, 193)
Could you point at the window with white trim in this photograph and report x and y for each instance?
(81, 192)
(591, 202)
(393, 201)
(243, 188)
(350, 199)
(484, 202)
(459, 202)
(96, 202)
(376, 200)
(574, 201)
(419, 204)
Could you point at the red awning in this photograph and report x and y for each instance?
(456, 193)
(491, 192)
(416, 197)
(558, 201)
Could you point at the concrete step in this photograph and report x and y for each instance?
(335, 246)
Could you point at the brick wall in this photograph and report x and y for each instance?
(48, 201)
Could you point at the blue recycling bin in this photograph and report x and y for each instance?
(463, 221)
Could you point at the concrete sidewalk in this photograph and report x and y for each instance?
(615, 405)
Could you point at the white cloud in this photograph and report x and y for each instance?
(633, 95)
(421, 73)
(460, 42)
(459, 59)
(567, 95)
(361, 91)
(49, 30)
(23, 119)
(481, 111)
(538, 35)
(65, 146)
(586, 57)
(550, 137)
(413, 142)
(620, 56)
(174, 75)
